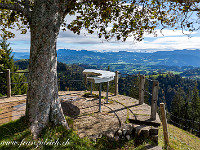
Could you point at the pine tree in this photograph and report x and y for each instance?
(7, 58)
(7, 62)
(2, 52)
(187, 115)
(177, 106)
(195, 108)
(134, 87)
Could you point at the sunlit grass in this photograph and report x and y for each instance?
(179, 139)
(16, 135)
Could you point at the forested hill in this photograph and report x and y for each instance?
(169, 83)
(169, 58)
(191, 73)
(181, 95)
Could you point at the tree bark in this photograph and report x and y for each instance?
(43, 105)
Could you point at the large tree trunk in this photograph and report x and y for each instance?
(43, 105)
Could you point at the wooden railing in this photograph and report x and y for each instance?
(8, 81)
(142, 91)
(141, 88)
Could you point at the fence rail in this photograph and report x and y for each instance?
(142, 91)
(19, 72)
(19, 83)
(141, 88)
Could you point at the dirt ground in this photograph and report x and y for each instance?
(84, 111)
(88, 121)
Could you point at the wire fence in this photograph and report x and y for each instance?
(64, 80)
(137, 86)
(149, 79)
(172, 119)
(17, 84)
(176, 134)
(184, 124)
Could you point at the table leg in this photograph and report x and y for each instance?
(91, 89)
(99, 97)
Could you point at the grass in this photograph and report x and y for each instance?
(16, 135)
(179, 139)
(110, 101)
(127, 116)
(87, 94)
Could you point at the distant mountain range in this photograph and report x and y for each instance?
(169, 58)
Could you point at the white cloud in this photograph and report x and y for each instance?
(178, 42)
(170, 41)
(166, 32)
(167, 40)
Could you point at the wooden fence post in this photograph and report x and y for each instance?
(154, 99)
(164, 123)
(141, 89)
(116, 82)
(8, 83)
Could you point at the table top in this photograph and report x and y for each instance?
(102, 75)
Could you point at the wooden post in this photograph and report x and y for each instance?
(164, 123)
(99, 97)
(85, 81)
(141, 89)
(8, 83)
(154, 99)
(116, 82)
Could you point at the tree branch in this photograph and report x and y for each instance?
(195, 9)
(15, 7)
(18, 2)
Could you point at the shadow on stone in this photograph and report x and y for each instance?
(70, 110)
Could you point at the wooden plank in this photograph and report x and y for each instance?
(148, 123)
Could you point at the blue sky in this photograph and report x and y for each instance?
(168, 40)
(165, 41)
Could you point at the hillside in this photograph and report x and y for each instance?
(170, 58)
(178, 58)
(191, 73)
(179, 139)
(176, 61)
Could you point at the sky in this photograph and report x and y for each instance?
(168, 40)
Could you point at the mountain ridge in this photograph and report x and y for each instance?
(170, 58)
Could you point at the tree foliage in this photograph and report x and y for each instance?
(109, 18)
